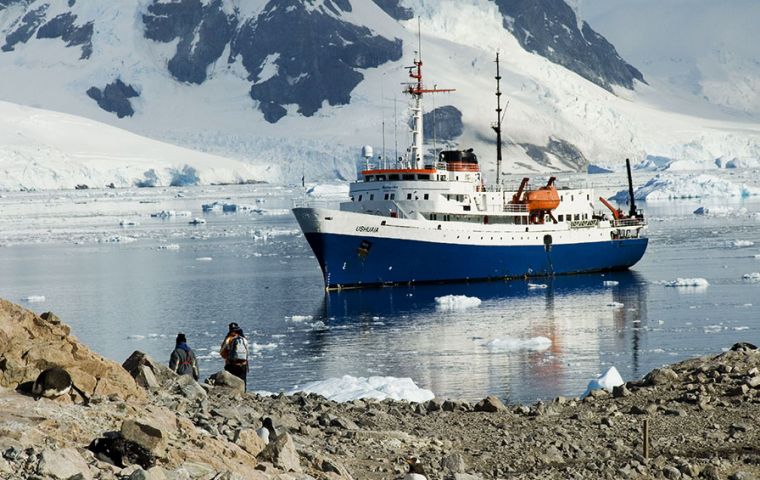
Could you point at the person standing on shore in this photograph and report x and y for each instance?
(182, 360)
(234, 351)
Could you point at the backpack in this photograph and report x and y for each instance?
(238, 350)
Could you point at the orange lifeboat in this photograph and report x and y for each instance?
(545, 198)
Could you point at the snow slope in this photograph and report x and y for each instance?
(547, 103)
(40, 149)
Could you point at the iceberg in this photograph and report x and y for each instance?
(348, 388)
(456, 302)
(607, 381)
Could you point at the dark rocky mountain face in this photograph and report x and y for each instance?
(62, 26)
(394, 9)
(317, 64)
(550, 29)
(443, 124)
(313, 54)
(115, 98)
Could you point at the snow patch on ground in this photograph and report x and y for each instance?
(348, 388)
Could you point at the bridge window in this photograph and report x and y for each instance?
(393, 177)
(387, 196)
(381, 178)
(408, 196)
(371, 196)
(408, 176)
(577, 217)
(426, 197)
(423, 177)
(466, 208)
(360, 198)
(393, 196)
(561, 218)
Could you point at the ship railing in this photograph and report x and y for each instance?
(590, 223)
(628, 222)
(516, 207)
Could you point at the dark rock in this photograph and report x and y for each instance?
(620, 391)
(135, 363)
(115, 97)
(671, 472)
(550, 28)
(29, 23)
(147, 436)
(443, 124)
(710, 472)
(51, 317)
(394, 9)
(63, 27)
(743, 347)
(737, 391)
(564, 151)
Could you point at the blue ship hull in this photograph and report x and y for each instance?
(356, 261)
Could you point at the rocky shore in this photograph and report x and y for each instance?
(144, 422)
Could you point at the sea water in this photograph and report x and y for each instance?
(134, 287)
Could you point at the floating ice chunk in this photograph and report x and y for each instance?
(117, 239)
(257, 348)
(456, 302)
(164, 214)
(135, 337)
(348, 388)
(510, 344)
(740, 329)
(319, 325)
(752, 277)
(299, 318)
(534, 286)
(714, 211)
(211, 207)
(204, 259)
(197, 221)
(743, 243)
(615, 305)
(610, 283)
(688, 282)
(128, 223)
(33, 299)
(170, 246)
(712, 328)
(607, 381)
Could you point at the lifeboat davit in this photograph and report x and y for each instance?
(545, 198)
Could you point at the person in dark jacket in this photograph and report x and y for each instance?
(183, 360)
(234, 351)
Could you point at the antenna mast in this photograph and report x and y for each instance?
(416, 89)
(497, 127)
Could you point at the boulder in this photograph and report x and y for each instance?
(661, 376)
(226, 380)
(249, 441)
(63, 464)
(490, 404)
(30, 343)
(189, 388)
(147, 436)
(282, 454)
(139, 364)
(743, 347)
(453, 463)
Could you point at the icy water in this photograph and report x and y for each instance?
(121, 292)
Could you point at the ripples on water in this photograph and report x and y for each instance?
(130, 295)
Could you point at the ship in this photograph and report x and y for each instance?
(432, 219)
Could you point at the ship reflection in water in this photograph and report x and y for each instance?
(593, 321)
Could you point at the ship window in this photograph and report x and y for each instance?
(577, 217)
(466, 208)
(408, 196)
(572, 198)
(561, 198)
(382, 223)
(387, 196)
(423, 177)
(426, 197)
(588, 197)
(360, 198)
(393, 177)
(561, 218)
(371, 196)
(393, 196)
(381, 178)
(407, 176)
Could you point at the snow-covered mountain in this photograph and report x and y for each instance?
(296, 86)
(49, 150)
